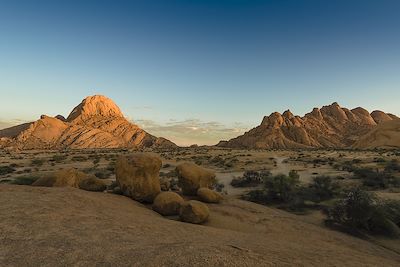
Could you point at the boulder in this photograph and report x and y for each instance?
(62, 178)
(194, 212)
(167, 203)
(165, 184)
(191, 177)
(138, 176)
(208, 195)
(92, 184)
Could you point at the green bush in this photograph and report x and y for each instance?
(24, 180)
(376, 179)
(250, 178)
(323, 188)
(6, 170)
(392, 166)
(37, 162)
(363, 211)
(281, 187)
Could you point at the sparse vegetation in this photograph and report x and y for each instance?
(6, 170)
(362, 211)
(24, 180)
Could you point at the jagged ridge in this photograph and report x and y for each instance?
(329, 127)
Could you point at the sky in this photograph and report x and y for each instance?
(198, 71)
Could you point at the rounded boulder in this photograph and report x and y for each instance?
(194, 212)
(138, 176)
(167, 203)
(209, 196)
(191, 177)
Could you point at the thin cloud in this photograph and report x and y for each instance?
(192, 131)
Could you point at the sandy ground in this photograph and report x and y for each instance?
(66, 226)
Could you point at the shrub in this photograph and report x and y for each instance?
(376, 179)
(250, 178)
(323, 188)
(6, 170)
(363, 211)
(59, 158)
(37, 162)
(79, 158)
(24, 180)
(392, 166)
(281, 187)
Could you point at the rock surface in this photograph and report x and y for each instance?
(239, 233)
(329, 127)
(191, 177)
(92, 184)
(138, 176)
(194, 212)
(209, 196)
(167, 203)
(385, 135)
(97, 122)
(62, 178)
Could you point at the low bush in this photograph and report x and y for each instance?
(323, 188)
(6, 170)
(250, 178)
(376, 179)
(37, 162)
(24, 180)
(361, 211)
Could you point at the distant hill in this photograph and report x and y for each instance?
(385, 135)
(328, 127)
(97, 122)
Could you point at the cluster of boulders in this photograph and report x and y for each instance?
(72, 178)
(137, 176)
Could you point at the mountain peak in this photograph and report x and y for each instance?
(96, 105)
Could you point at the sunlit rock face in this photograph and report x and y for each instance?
(331, 126)
(97, 122)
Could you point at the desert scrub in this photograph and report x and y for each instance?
(250, 178)
(37, 162)
(361, 211)
(58, 158)
(376, 179)
(24, 180)
(6, 170)
(79, 158)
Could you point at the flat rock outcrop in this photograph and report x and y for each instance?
(97, 122)
(331, 126)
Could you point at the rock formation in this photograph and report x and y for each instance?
(329, 127)
(167, 203)
(71, 178)
(209, 196)
(138, 176)
(97, 122)
(194, 212)
(385, 135)
(191, 177)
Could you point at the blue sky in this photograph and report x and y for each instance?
(198, 71)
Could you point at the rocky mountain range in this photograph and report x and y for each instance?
(331, 126)
(97, 122)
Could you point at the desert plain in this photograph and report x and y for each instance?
(50, 226)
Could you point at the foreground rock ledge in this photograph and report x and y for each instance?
(42, 226)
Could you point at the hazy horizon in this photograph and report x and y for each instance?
(198, 71)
